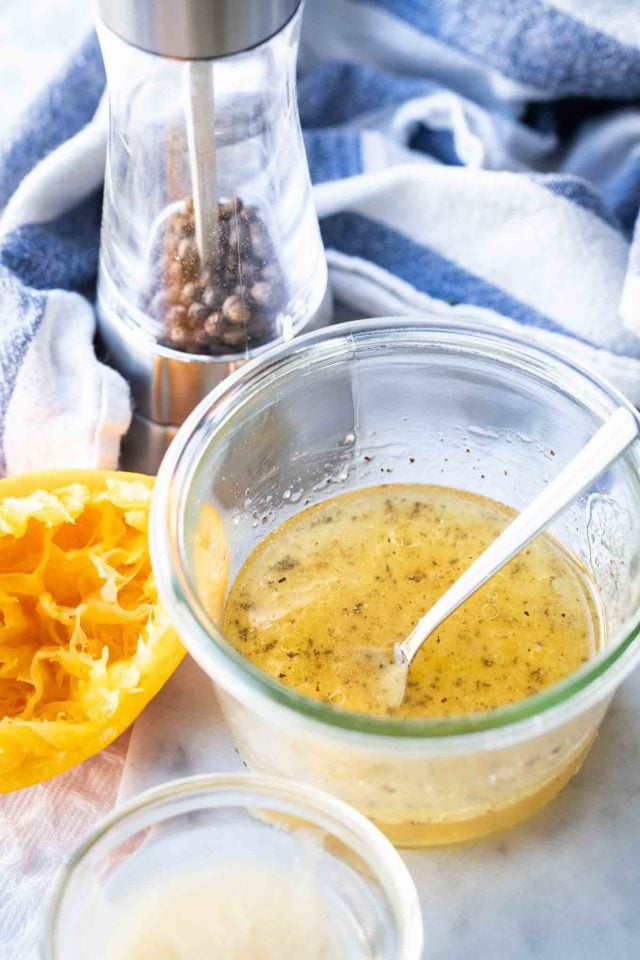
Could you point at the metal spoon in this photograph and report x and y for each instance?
(611, 440)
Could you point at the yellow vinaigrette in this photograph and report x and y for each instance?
(320, 602)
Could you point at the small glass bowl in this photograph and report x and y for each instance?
(457, 404)
(217, 821)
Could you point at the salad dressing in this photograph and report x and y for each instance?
(320, 602)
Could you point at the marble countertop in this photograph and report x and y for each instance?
(564, 885)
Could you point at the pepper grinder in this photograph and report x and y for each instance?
(210, 246)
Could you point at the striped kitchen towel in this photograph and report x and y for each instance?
(483, 159)
(469, 158)
(59, 407)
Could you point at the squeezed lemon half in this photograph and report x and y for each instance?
(84, 644)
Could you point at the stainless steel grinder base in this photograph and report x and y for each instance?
(166, 384)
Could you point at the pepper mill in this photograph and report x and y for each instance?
(210, 247)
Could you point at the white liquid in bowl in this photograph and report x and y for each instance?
(246, 912)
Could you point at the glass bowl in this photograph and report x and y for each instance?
(214, 823)
(382, 401)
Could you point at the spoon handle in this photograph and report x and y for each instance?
(612, 439)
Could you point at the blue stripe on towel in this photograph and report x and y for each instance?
(581, 193)
(425, 269)
(529, 41)
(60, 111)
(333, 154)
(437, 143)
(622, 193)
(22, 314)
(338, 91)
(62, 253)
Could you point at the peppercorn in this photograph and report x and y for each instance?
(234, 302)
(210, 297)
(235, 310)
(261, 293)
(198, 312)
(176, 316)
(178, 334)
(212, 324)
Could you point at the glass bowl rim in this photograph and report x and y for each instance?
(242, 679)
(390, 871)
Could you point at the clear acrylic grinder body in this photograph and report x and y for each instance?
(210, 247)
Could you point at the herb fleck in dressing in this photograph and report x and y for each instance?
(320, 602)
